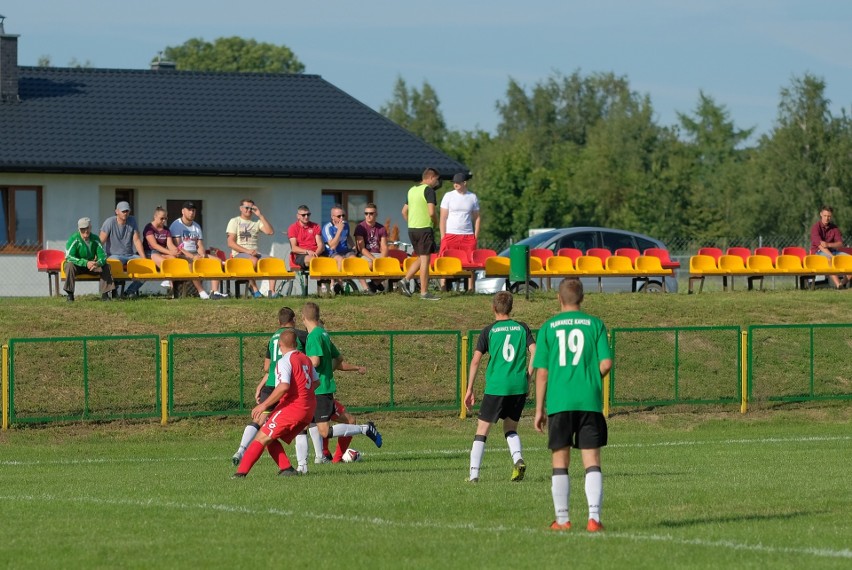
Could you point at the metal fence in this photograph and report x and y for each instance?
(103, 378)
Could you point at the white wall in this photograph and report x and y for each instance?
(66, 198)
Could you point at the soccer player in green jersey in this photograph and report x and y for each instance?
(326, 359)
(572, 358)
(506, 382)
(286, 321)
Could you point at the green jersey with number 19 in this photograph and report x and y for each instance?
(507, 342)
(571, 346)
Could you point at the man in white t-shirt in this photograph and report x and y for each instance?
(189, 240)
(242, 234)
(459, 219)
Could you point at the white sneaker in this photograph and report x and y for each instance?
(166, 284)
(218, 295)
(203, 294)
(302, 469)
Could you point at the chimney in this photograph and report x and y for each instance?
(8, 66)
(162, 64)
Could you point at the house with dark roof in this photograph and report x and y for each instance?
(75, 142)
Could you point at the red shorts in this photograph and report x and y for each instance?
(285, 424)
(466, 242)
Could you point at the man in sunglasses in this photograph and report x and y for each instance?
(242, 232)
(371, 241)
(338, 243)
(305, 239)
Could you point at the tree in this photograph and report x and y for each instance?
(233, 54)
(417, 111)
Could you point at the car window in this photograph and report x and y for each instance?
(645, 243)
(578, 240)
(613, 241)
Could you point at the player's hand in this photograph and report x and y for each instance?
(362, 370)
(257, 414)
(468, 401)
(540, 421)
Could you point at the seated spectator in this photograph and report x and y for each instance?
(189, 240)
(120, 238)
(371, 241)
(156, 240)
(826, 241)
(85, 255)
(242, 233)
(305, 239)
(338, 243)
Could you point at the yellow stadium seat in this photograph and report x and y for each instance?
(325, 268)
(817, 264)
(732, 265)
(788, 264)
(143, 269)
(621, 265)
(177, 268)
(700, 266)
(497, 266)
(387, 267)
(209, 268)
(559, 265)
(274, 267)
(240, 268)
(589, 264)
(117, 269)
(357, 267)
(842, 263)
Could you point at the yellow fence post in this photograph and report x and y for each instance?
(164, 382)
(744, 373)
(5, 387)
(463, 386)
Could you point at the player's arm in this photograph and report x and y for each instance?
(540, 392)
(405, 213)
(315, 361)
(320, 246)
(263, 378)
(471, 377)
(605, 366)
(530, 366)
(343, 366)
(274, 397)
(476, 224)
(137, 243)
(445, 213)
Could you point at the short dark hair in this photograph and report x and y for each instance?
(502, 303)
(249, 200)
(303, 208)
(431, 172)
(311, 312)
(371, 205)
(828, 209)
(571, 291)
(286, 315)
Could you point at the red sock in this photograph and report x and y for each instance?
(250, 457)
(276, 450)
(342, 446)
(325, 450)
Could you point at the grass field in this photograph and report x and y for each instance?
(698, 487)
(681, 490)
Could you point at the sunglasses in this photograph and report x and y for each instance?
(246, 207)
(308, 215)
(369, 213)
(340, 216)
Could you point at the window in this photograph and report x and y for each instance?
(353, 202)
(613, 241)
(579, 240)
(20, 208)
(126, 195)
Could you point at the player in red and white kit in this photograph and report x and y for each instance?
(295, 383)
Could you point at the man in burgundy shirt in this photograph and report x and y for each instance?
(826, 241)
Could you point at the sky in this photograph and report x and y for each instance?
(741, 52)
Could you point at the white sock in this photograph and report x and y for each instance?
(346, 430)
(476, 451)
(316, 440)
(302, 450)
(594, 492)
(514, 442)
(560, 489)
(248, 436)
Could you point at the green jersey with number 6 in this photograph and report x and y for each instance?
(507, 342)
(571, 346)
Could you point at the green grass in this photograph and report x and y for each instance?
(681, 490)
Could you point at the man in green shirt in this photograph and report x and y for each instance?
(506, 382)
(572, 358)
(85, 255)
(326, 359)
(420, 214)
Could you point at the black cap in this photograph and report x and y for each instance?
(459, 178)
(189, 205)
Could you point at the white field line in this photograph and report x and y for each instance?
(378, 521)
(425, 452)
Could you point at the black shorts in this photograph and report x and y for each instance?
(580, 430)
(423, 241)
(327, 408)
(300, 260)
(495, 408)
(264, 394)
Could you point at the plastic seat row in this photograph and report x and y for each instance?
(324, 268)
(758, 266)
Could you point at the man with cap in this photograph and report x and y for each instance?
(189, 240)
(459, 218)
(120, 237)
(85, 255)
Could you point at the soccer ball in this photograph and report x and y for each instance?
(351, 456)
